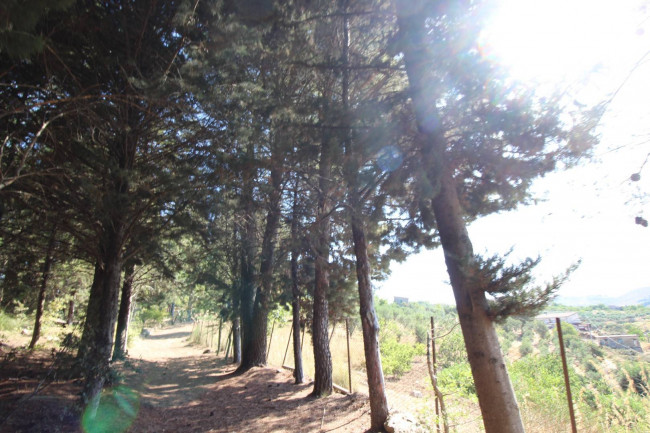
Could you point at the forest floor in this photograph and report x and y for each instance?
(171, 385)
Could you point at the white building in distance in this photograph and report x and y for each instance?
(570, 317)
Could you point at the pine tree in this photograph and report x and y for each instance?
(117, 169)
(476, 156)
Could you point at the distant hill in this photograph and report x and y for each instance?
(638, 296)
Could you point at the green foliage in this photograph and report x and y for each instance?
(18, 34)
(413, 314)
(539, 383)
(152, 316)
(421, 333)
(451, 347)
(135, 330)
(457, 378)
(12, 322)
(633, 328)
(634, 375)
(510, 286)
(610, 320)
(541, 376)
(526, 347)
(541, 329)
(397, 356)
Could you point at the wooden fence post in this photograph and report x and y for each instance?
(219, 337)
(574, 429)
(268, 348)
(332, 334)
(435, 372)
(287, 349)
(347, 335)
(232, 330)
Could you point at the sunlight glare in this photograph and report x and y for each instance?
(557, 41)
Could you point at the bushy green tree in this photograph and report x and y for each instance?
(477, 149)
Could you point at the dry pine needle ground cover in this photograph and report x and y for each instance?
(172, 386)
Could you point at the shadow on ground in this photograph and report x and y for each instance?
(175, 387)
(169, 336)
(173, 382)
(262, 400)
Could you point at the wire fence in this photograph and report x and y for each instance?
(405, 362)
(413, 363)
(213, 333)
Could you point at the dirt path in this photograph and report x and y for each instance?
(167, 370)
(182, 389)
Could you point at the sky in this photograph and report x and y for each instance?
(588, 212)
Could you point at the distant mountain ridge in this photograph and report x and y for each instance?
(639, 296)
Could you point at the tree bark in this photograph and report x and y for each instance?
(70, 314)
(254, 352)
(236, 341)
(369, 322)
(97, 337)
(495, 394)
(322, 354)
(124, 314)
(247, 268)
(40, 305)
(298, 372)
(370, 327)
(494, 390)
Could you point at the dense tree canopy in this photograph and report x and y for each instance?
(250, 154)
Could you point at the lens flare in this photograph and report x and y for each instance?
(115, 413)
(389, 158)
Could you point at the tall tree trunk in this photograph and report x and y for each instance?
(69, 319)
(298, 372)
(97, 338)
(254, 351)
(4, 271)
(370, 327)
(247, 268)
(236, 341)
(369, 322)
(494, 390)
(190, 307)
(124, 314)
(322, 354)
(40, 305)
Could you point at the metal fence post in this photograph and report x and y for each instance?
(574, 429)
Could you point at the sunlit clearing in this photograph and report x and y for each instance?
(558, 41)
(115, 413)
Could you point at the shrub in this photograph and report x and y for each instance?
(152, 316)
(9, 322)
(421, 333)
(396, 357)
(451, 349)
(541, 328)
(526, 347)
(457, 378)
(636, 374)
